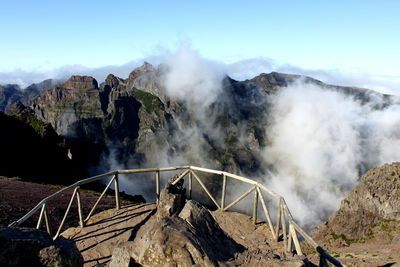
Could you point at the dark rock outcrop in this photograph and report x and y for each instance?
(31, 247)
(179, 234)
(185, 233)
(30, 148)
(9, 94)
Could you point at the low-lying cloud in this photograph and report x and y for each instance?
(321, 141)
(191, 78)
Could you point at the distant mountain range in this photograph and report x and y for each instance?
(133, 122)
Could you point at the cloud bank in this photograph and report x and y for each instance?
(321, 142)
(240, 70)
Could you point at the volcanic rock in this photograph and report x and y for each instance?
(31, 247)
(375, 199)
(187, 234)
(178, 235)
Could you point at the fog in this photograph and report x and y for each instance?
(320, 143)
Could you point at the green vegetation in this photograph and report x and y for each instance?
(150, 102)
(393, 173)
(86, 110)
(347, 202)
(230, 140)
(348, 241)
(386, 225)
(221, 157)
(35, 123)
(335, 254)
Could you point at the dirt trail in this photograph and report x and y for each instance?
(106, 229)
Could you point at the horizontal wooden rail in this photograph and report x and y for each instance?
(58, 193)
(284, 222)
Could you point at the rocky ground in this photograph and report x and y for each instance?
(107, 229)
(365, 231)
(18, 197)
(179, 232)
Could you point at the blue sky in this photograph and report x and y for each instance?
(344, 35)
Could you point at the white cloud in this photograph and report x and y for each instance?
(320, 141)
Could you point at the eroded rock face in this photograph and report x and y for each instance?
(375, 200)
(31, 247)
(84, 83)
(172, 199)
(75, 100)
(180, 234)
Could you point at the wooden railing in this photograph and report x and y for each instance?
(285, 226)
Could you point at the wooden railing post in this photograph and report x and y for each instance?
(98, 200)
(278, 223)
(116, 189)
(283, 220)
(66, 213)
(47, 221)
(255, 206)
(296, 241)
(41, 216)
(190, 185)
(158, 186)
(223, 192)
(266, 213)
(78, 201)
(289, 245)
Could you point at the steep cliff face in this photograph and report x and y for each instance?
(76, 99)
(373, 202)
(30, 148)
(137, 122)
(365, 231)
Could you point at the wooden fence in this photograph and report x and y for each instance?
(284, 227)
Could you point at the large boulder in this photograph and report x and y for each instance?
(185, 233)
(31, 247)
(178, 235)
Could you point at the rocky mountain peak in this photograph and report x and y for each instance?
(112, 81)
(145, 68)
(146, 78)
(81, 83)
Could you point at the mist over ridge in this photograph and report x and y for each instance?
(305, 139)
